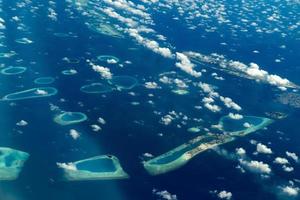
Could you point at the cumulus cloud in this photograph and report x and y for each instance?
(166, 120)
(74, 134)
(164, 194)
(96, 127)
(41, 92)
(261, 148)
(247, 125)
(229, 103)
(287, 168)
(22, 123)
(208, 100)
(256, 166)
(281, 161)
(290, 190)
(103, 71)
(251, 71)
(112, 61)
(151, 85)
(208, 104)
(240, 151)
(101, 120)
(67, 166)
(2, 24)
(148, 155)
(235, 116)
(292, 155)
(207, 88)
(150, 44)
(186, 65)
(225, 195)
(128, 6)
(212, 108)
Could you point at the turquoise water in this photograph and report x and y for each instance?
(151, 93)
(232, 125)
(67, 118)
(99, 165)
(96, 88)
(13, 70)
(123, 82)
(31, 93)
(44, 80)
(176, 154)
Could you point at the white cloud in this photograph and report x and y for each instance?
(261, 148)
(101, 120)
(287, 168)
(151, 85)
(103, 71)
(148, 155)
(252, 71)
(247, 125)
(229, 103)
(96, 127)
(240, 151)
(41, 92)
(206, 88)
(166, 120)
(180, 83)
(164, 195)
(225, 195)
(256, 166)
(208, 100)
(235, 116)
(127, 6)
(292, 155)
(2, 25)
(213, 108)
(67, 166)
(281, 161)
(290, 190)
(74, 134)
(112, 61)
(150, 44)
(186, 65)
(22, 123)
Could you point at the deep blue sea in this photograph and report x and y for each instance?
(149, 118)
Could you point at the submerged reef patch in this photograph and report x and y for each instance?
(13, 70)
(96, 88)
(290, 98)
(67, 118)
(11, 163)
(123, 82)
(31, 93)
(44, 80)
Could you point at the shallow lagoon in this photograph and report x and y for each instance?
(123, 82)
(31, 94)
(96, 88)
(67, 118)
(69, 72)
(243, 126)
(180, 155)
(13, 70)
(44, 80)
(122, 136)
(109, 59)
(104, 167)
